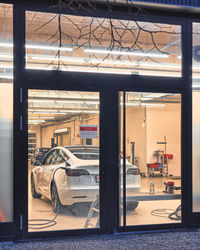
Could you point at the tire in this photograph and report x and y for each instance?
(55, 201)
(132, 206)
(81, 209)
(33, 191)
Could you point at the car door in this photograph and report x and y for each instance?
(45, 170)
(57, 160)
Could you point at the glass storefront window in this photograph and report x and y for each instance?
(6, 113)
(196, 117)
(63, 165)
(86, 44)
(152, 158)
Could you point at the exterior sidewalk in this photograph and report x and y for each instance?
(155, 241)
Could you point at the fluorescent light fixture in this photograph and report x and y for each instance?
(61, 130)
(76, 102)
(68, 102)
(91, 112)
(103, 71)
(42, 47)
(166, 74)
(127, 53)
(36, 121)
(40, 101)
(63, 112)
(41, 117)
(6, 76)
(156, 105)
(53, 58)
(43, 110)
(6, 45)
(6, 56)
(132, 104)
(126, 72)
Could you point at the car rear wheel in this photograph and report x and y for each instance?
(132, 206)
(55, 202)
(81, 209)
(33, 191)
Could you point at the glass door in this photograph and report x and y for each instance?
(150, 158)
(63, 160)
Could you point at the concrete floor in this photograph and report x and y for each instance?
(41, 209)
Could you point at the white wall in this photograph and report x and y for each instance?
(165, 121)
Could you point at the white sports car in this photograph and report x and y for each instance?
(70, 175)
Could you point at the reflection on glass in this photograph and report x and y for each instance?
(63, 142)
(87, 45)
(6, 113)
(153, 158)
(196, 118)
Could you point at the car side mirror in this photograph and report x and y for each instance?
(37, 163)
(67, 164)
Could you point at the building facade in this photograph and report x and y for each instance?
(99, 117)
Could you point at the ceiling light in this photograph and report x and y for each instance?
(132, 104)
(70, 69)
(38, 111)
(153, 105)
(6, 56)
(36, 121)
(41, 117)
(40, 101)
(70, 101)
(103, 71)
(91, 112)
(43, 47)
(6, 76)
(7, 45)
(76, 102)
(43, 110)
(127, 53)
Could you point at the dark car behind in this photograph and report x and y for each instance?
(38, 155)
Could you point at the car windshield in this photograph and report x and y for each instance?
(85, 153)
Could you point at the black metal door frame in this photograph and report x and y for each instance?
(109, 85)
(54, 85)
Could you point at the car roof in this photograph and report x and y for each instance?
(81, 147)
(43, 148)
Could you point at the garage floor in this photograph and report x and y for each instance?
(41, 209)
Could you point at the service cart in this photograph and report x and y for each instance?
(160, 167)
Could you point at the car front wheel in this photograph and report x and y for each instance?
(33, 191)
(55, 202)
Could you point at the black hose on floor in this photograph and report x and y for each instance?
(168, 213)
(45, 224)
(176, 215)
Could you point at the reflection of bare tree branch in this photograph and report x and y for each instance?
(110, 33)
(44, 24)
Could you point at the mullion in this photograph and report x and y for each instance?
(124, 160)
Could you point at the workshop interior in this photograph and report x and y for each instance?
(63, 126)
(63, 134)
